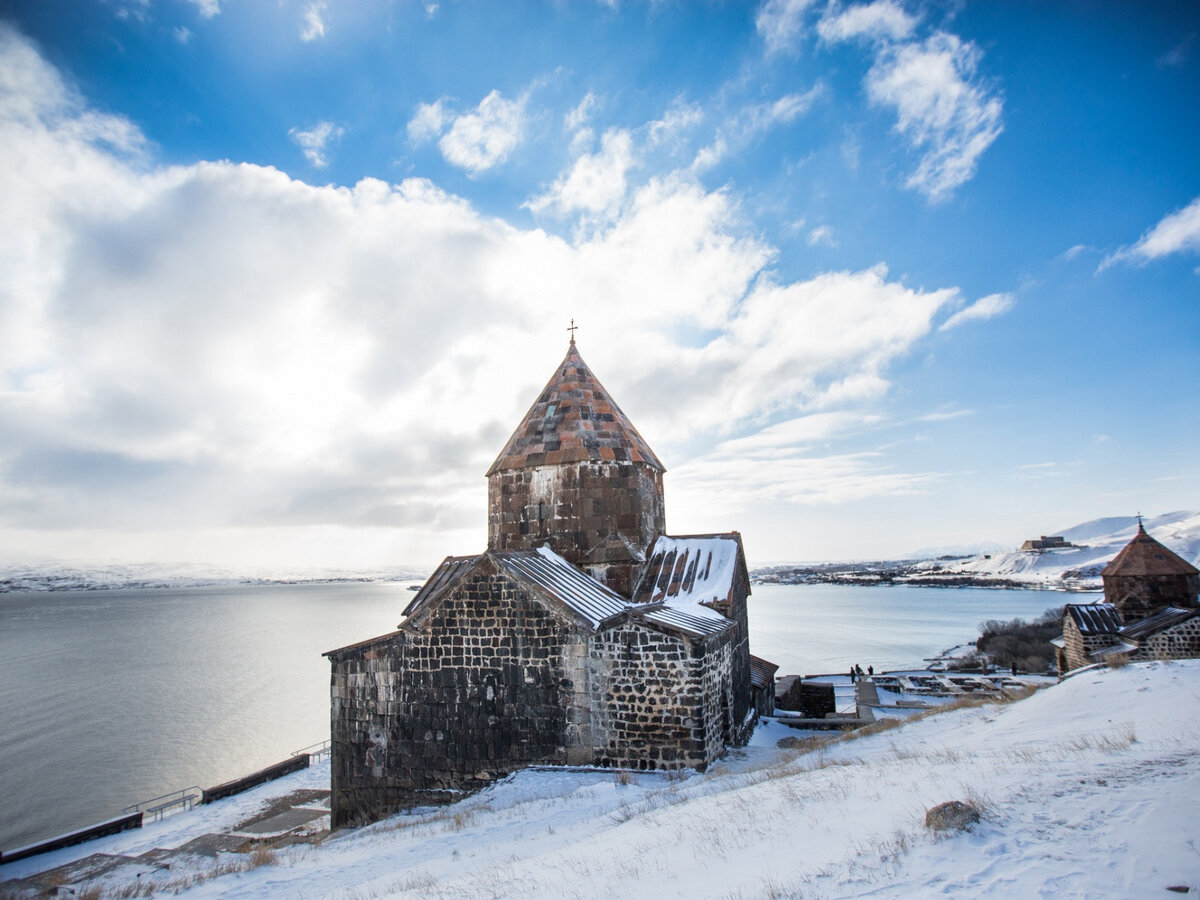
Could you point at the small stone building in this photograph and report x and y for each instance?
(1150, 610)
(583, 635)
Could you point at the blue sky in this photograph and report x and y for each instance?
(279, 278)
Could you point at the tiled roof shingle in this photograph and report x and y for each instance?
(574, 419)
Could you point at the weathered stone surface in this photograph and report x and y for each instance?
(954, 815)
(493, 674)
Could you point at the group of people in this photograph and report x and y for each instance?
(856, 672)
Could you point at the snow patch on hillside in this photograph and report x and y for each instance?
(1097, 542)
(1087, 789)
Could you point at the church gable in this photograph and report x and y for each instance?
(542, 573)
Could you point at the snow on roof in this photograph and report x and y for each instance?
(688, 573)
(1095, 618)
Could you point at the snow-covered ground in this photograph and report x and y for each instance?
(1096, 543)
(1087, 789)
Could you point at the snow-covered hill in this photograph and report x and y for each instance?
(1096, 542)
(1087, 789)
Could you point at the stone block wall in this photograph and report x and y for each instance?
(1078, 646)
(1141, 596)
(1180, 641)
(735, 610)
(574, 506)
(480, 685)
(658, 698)
(364, 689)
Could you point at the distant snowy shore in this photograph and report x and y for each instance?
(107, 577)
(1074, 568)
(1070, 568)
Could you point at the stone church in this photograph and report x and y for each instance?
(582, 635)
(1150, 610)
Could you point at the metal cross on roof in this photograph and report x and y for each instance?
(573, 329)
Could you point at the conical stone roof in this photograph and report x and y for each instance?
(574, 419)
(1146, 556)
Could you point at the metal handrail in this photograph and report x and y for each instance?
(315, 751)
(183, 798)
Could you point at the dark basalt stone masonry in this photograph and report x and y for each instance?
(533, 652)
(576, 475)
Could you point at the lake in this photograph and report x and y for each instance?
(112, 697)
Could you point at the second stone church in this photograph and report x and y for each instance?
(582, 635)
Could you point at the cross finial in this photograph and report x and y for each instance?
(573, 329)
(1140, 526)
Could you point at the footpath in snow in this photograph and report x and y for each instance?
(1087, 789)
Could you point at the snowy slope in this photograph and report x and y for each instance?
(1097, 542)
(1088, 789)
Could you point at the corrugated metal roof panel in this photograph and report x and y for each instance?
(1144, 628)
(1113, 650)
(761, 671)
(696, 626)
(451, 568)
(1095, 618)
(577, 590)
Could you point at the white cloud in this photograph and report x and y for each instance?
(945, 415)
(207, 8)
(183, 35)
(881, 20)
(312, 23)
(780, 22)
(581, 113)
(753, 121)
(1177, 56)
(984, 308)
(1175, 233)
(678, 119)
(822, 236)
(480, 140)
(316, 141)
(216, 346)
(131, 9)
(596, 182)
(940, 108)
(428, 122)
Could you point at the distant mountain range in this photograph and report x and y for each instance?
(1076, 567)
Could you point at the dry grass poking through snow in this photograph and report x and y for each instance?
(1086, 789)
